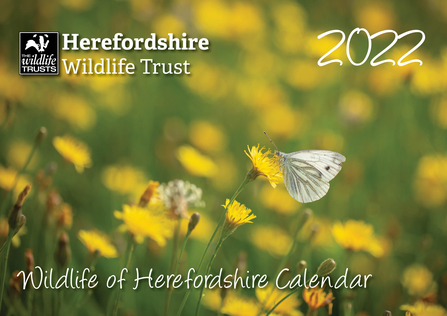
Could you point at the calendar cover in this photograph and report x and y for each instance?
(212, 157)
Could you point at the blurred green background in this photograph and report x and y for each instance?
(260, 74)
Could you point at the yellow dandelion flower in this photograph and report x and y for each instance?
(269, 297)
(95, 240)
(356, 107)
(234, 304)
(357, 236)
(375, 17)
(123, 178)
(439, 112)
(424, 309)
(74, 151)
(318, 230)
(272, 239)
(64, 216)
(196, 163)
(316, 298)
(150, 194)
(168, 23)
(237, 214)
(74, 110)
(146, 222)
(237, 305)
(263, 165)
(212, 299)
(431, 180)
(8, 178)
(418, 280)
(207, 136)
(279, 200)
(18, 154)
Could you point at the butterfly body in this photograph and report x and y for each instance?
(307, 173)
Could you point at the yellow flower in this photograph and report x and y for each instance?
(73, 151)
(356, 107)
(18, 154)
(4, 229)
(236, 215)
(74, 110)
(316, 298)
(431, 180)
(150, 194)
(64, 216)
(168, 23)
(279, 200)
(207, 136)
(272, 239)
(270, 298)
(439, 112)
(95, 240)
(330, 141)
(227, 172)
(424, 309)
(375, 17)
(196, 163)
(263, 165)
(146, 222)
(357, 236)
(282, 120)
(123, 179)
(418, 280)
(315, 75)
(318, 230)
(237, 305)
(7, 178)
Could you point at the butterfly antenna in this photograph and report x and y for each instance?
(270, 140)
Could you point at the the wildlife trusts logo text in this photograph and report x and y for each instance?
(39, 53)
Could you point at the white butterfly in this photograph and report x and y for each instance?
(307, 173)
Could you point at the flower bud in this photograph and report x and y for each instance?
(15, 284)
(193, 221)
(63, 251)
(149, 193)
(41, 135)
(241, 262)
(301, 266)
(348, 308)
(326, 267)
(387, 313)
(29, 259)
(16, 218)
(53, 200)
(305, 216)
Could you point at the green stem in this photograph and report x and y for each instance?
(7, 201)
(181, 250)
(8, 245)
(3, 247)
(278, 269)
(172, 264)
(312, 312)
(221, 221)
(282, 300)
(208, 269)
(129, 251)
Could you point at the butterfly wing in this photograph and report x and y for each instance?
(307, 173)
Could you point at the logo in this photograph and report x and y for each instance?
(39, 53)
